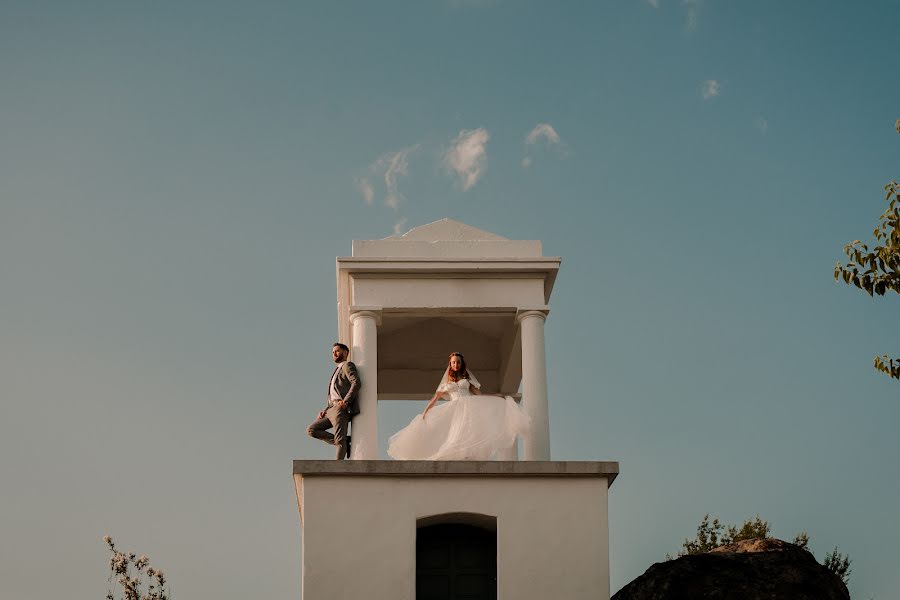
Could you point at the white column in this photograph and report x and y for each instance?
(534, 385)
(364, 353)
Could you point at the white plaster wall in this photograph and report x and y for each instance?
(447, 292)
(359, 533)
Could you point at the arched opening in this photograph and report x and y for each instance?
(456, 557)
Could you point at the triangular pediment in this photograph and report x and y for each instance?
(446, 238)
(447, 230)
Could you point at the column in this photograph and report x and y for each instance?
(364, 353)
(534, 384)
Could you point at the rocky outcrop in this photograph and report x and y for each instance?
(750, 570)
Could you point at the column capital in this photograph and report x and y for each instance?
(365, 313)
(524, 313)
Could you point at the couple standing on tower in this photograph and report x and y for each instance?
(470, 426)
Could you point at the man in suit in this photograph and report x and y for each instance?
(340, 403)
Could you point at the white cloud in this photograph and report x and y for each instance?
(711, 88)
(399, 225)
(467, 157)
(762, 124)
(542, 131)
(653, 3)
(388, 167)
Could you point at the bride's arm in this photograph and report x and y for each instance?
(476, 391)
(430, 404)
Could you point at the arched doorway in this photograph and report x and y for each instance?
(456, 561)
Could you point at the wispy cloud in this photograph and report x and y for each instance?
(710, 89)
(542, 134)
(365, 188)
(543, 131)
(762, 124)
(399, 225)
(693, 14)
(397, 165)
(389, 167)
(475, 4)
(467, 156)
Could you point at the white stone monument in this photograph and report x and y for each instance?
(451, 529)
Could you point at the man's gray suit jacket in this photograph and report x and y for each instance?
(347, 384)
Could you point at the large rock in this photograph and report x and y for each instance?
(749, 570)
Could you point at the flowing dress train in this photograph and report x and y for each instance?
(466, 427)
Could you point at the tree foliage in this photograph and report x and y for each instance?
(801, 540)
(713, 534)
(877, 271)
(126, 576)
(838, 564)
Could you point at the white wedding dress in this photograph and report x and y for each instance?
(467, 427)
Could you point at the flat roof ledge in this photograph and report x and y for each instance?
(456, 468)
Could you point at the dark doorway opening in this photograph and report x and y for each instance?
(456, 562)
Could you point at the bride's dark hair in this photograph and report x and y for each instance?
(463, 373)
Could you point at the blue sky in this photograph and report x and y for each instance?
(177, 178)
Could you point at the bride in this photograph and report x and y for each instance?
(471, 426)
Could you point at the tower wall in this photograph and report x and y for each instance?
(360, 519)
